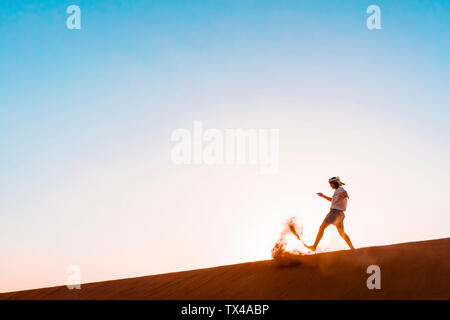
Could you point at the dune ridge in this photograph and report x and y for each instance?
(414, 270)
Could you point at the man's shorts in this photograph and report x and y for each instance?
(335, 217)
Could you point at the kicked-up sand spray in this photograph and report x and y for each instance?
(282, 253)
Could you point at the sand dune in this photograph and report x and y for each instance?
(418, 270)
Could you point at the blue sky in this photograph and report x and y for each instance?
(86, 117)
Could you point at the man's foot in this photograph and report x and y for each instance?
(310, 248)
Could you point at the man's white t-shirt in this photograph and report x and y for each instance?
(339, 199)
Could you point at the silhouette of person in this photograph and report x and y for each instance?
(336, 215)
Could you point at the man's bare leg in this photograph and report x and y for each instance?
(345, 237)
(319, 236)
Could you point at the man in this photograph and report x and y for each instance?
(336, 215)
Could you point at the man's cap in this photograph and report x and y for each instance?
(336, 179)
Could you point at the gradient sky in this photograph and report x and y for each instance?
(86, 118)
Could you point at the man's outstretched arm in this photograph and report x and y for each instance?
(320, 194)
